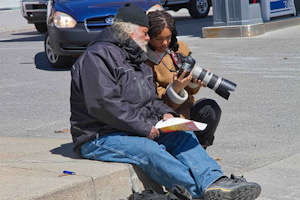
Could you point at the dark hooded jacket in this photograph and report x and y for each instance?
(112, 90)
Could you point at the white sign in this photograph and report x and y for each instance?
(275, 8)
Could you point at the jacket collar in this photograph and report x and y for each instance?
(134, 54)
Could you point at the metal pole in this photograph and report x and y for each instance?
(226, 12)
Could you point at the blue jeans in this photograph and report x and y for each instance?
(172, 158)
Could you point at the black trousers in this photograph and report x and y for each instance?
(209, 112)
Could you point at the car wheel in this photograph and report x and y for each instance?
(199, 8)
(56, 61)
(41, 27)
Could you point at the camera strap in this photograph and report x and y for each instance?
(174, 57)
(161, 60)
(154, 56)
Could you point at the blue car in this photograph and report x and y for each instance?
(73, 24)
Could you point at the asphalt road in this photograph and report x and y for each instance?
(261, 118)
(34, 96)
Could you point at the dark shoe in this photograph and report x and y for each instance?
(181, 192)
(233, 188)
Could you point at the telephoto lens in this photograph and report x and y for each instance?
(220, 85)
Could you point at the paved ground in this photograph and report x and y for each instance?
(12, 21)
(263, 114)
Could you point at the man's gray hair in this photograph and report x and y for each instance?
(124, 29)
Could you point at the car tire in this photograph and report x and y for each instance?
(56, 61)
(41, 27)
(199, 8)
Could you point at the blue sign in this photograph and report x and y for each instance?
(280, 6)
(275, 8)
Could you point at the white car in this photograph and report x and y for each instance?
(35, 12)
(197, 8)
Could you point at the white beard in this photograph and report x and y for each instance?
(142, 45)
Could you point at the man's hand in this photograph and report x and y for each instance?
(154, 133)
(167, 116)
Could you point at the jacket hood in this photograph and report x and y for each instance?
(134, 54)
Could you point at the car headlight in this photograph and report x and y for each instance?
(63, 20)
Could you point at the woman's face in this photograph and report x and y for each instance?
(161, 41)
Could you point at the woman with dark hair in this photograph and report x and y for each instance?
(175, 89)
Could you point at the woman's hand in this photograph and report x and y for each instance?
(198, 82)
(179, 83)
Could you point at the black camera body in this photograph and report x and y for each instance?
(220, 85)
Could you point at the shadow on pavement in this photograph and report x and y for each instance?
(29, 33)
(28, 37)
(42, 63)
(65, 150)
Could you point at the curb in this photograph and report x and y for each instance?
(251, 30)
(31, 168)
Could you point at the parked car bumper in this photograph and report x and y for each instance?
(71, 41)
(34, 11)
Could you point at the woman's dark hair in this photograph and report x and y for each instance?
(160, 19)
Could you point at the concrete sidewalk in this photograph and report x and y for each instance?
(31, 168)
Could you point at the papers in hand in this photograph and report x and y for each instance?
(179, 124)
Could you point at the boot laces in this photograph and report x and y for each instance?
(237, 179)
